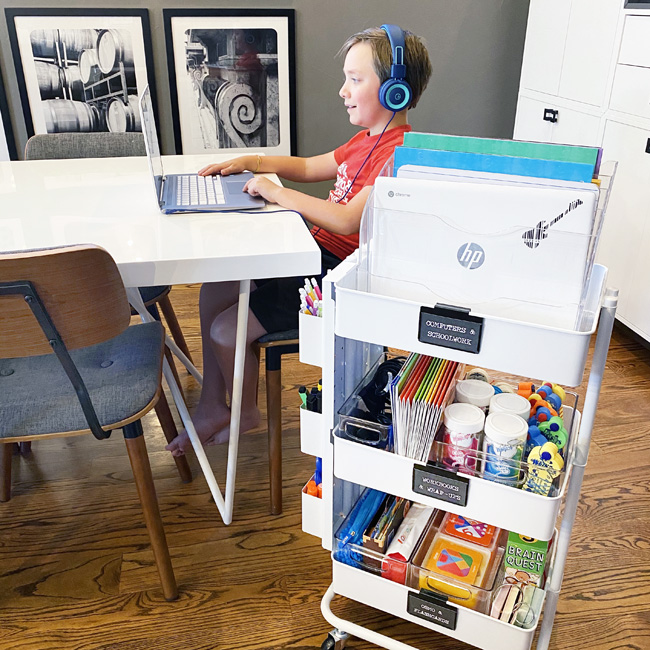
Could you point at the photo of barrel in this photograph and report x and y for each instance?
(86, 79)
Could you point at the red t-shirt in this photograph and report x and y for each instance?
(350, 157)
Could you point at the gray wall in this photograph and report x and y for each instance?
(475, 46)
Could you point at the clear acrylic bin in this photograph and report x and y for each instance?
(523, 251)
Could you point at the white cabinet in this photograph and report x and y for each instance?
(587, 68)
(568, 43)
(626, 233)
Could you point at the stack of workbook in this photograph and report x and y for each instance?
(419, 394)
(505, 228)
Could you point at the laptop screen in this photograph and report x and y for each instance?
(151, 138)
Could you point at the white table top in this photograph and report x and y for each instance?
(111, 202)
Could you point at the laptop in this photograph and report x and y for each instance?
(191, 192)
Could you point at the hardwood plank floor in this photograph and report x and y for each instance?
(77, 572)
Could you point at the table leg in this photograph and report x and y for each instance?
(136, 302)
(236, 398)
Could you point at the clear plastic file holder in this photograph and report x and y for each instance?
(519, 251)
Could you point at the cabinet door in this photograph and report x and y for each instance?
(626, 231)
(545, 121)
(588, 50)
(548, 22)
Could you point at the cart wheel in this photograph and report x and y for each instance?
(336, 640)
(328, 644)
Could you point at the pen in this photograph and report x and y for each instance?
(302, 391)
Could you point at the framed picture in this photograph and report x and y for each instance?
(7, 142)
(81, 69)
(232, 79)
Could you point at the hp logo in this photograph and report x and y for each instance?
(470, 255)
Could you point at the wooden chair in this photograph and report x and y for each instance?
(49, 146)
(275, 345)
(103, 375)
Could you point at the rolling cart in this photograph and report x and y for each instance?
(356, 328)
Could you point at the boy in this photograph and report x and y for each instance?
(354, 165)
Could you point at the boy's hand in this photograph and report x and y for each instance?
(233, 166)
(260, 186)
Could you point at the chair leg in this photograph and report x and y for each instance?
(274, 425)
(6, 450)
(169, 429)
(137, 451)
(174, 327)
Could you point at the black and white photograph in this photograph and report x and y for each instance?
(7, 143)
(232, 80)
(81, 71)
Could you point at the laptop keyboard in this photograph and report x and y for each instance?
(192, 189)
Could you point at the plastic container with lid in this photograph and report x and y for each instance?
(503, 443)
(461, 432)
(474, 391)
(510, 403)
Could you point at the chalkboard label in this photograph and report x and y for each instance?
(438, 483)
(432, 608)
(450, 327)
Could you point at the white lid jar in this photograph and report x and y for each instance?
(462, 425)
(474, 391)
(503, 444)
(510, 403)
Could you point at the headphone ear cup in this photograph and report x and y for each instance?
(395, 94)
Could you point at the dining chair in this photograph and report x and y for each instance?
(49, 146)
(275, 345)
(71, 364)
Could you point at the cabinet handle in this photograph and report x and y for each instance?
(647, 146)
(550, 115)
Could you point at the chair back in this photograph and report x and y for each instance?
(81, 289)
(47, 146)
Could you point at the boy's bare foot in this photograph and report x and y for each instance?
(211, 431)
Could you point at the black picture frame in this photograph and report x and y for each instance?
(9, 150)
(63, 66)
(213, 54)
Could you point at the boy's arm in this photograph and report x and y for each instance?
(292, 168)
(339, 218)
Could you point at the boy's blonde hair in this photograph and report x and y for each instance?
(416, 57)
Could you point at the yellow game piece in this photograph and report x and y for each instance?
(544, 465)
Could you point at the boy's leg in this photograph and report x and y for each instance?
(212, 413)
(223, 337)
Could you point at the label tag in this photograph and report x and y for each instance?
(438, 483)
(432, 608)
(450, 327)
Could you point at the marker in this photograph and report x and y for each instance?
(319, 295)
(302, 391)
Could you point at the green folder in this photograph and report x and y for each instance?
(515, 148)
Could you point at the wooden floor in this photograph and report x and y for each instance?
(77, 573)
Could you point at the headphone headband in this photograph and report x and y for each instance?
(395, 93)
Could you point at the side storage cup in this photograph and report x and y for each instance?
(311, 425)
(311, 339)
(312, 513)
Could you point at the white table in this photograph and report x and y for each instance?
(111, 202)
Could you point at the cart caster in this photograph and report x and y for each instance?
(335, 640)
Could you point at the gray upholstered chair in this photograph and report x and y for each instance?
(70, 364)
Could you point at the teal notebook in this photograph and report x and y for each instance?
(532, 167)
(516, 148)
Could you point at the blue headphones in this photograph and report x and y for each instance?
(395, 94)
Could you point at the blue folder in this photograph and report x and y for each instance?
(532, 167)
